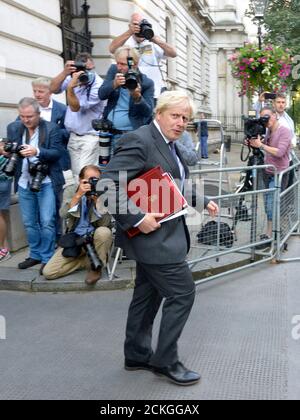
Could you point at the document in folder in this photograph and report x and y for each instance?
(156, 192)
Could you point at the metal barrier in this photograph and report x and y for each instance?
(235, 236)
(288, 211)
(236, 239)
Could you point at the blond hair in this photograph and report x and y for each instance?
(42, 81)
(131, 52)
(173, 98)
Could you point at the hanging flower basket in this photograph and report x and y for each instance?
(265, 70)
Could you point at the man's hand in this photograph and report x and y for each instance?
(262, 97)
(136, 93)
(75, 79)
(84, 187)
(28, 151)
(149, 224)
(119, 80)
(134, 28)
(69, 68)
(256, 143)
(2, 144)
(213, 209)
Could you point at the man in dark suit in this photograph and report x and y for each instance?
(41, 144)
(160, 249)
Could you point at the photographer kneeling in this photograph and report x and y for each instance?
(276, 147)
(89, 238)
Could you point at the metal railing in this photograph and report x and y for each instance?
(235, 236)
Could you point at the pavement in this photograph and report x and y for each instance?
(243, 336)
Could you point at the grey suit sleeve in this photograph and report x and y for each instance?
(129, 159)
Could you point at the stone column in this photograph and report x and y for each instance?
(214, 81)
(231, 97)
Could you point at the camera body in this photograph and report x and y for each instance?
(270, 96)
(93, 183)
(38, 171)
(132, 77)
(146, 30)
(255, 127)
(14, 149)
(106, 131)
(84, 79)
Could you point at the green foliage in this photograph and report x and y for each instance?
(282, 22)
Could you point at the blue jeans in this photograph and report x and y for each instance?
(204, 146)
(39, 213)
(269, 197)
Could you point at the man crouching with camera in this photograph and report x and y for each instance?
(89, 238)
(33, 149)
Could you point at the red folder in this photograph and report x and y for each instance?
(155, 192)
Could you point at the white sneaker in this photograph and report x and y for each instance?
(4, 255)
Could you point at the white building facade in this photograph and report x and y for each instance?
(205, 33)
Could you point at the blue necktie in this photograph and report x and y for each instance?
(173, 150)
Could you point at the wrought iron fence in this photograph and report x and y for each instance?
(233, 126)
(75, 40)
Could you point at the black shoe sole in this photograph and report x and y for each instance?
(177, 382)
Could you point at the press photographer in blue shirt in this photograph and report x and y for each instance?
(130, 93)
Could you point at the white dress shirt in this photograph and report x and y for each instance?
(46, 113)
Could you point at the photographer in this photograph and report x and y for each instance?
(82, 84)
(276, 147)
(52, 111)
(129, 93)
(5, 191)
(152, 50)
(86, 218)
(280, 105)
(34, 150)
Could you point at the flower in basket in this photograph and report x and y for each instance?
(261, 70)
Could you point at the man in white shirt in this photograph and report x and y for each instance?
(52, 111)
(151, 51)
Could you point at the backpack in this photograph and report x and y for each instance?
(209, 235)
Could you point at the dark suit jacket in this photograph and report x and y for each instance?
(137, 153)
(139, 113)
(51, 150)
(58, 117)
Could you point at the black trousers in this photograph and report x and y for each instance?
(154, 283)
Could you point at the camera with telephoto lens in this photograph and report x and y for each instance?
(84, 78)
(255, 127)
(87, 242)
(132, 77)
(146, 30)
(93, 183)
(38, 171)
(14, 149)
(106, 132)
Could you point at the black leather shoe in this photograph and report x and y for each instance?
(28, 263)
(178, 374)
(131, 365)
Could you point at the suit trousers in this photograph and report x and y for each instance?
(154, 283)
